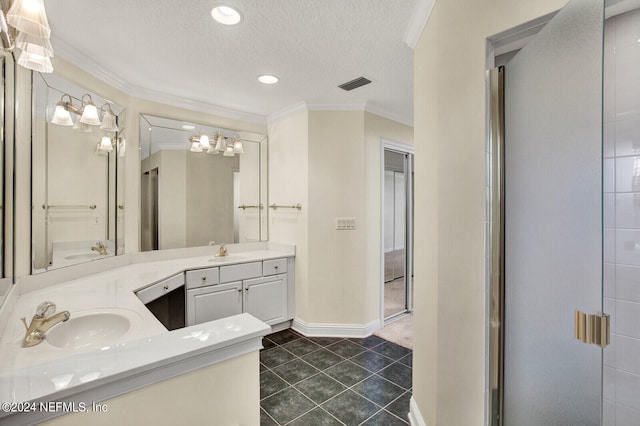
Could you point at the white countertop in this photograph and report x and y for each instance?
(45, 372)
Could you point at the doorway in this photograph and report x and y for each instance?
(149, 210)
(397, 224)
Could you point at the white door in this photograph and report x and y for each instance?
(553, 221)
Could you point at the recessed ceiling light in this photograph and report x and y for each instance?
(226, 15)
(268, 79)
(188, 126)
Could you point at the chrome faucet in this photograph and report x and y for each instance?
(42, 321)
(222, 251)
(100, 248)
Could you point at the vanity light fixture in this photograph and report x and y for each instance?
(220, 144)
(226, 14)
(228, 151)
(227, 147)
(268, 79)
(204, 142)
(106, 144)
(81, 127)
(62, 115)
(32, 44)
(108, 119)
(89, 112)
(30, 19)
(122, 146)
(237, 147)
(35, 62)
(29, 16)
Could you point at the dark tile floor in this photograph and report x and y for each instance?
(315, 381)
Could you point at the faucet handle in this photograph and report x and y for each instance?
(45, 309)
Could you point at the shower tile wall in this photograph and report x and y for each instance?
(622, 218)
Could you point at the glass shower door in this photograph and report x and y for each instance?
(553, 221)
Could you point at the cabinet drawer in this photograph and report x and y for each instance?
(275, 266)
(158, 289)
(202, 277)
(242, 271)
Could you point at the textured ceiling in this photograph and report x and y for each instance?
(175, 48)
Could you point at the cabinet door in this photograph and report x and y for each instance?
(214, 302)
(266, 298)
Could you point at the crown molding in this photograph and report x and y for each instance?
(417, 22)
(99, 71)
(362, 106)
(287, 112)
(390, 115)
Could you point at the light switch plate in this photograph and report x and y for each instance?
(346, 223)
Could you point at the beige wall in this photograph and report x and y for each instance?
(210, 198)
(227, 393)
(288, 183)
(449, 85)
(330, 162)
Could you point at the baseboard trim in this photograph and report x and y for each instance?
(415, 417)
(335, 330)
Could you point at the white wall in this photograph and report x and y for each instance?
(330, 162)
(622, 218)
(449, 295)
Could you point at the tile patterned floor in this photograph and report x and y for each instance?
(316, 381)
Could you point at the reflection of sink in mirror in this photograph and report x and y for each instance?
(67, 253)
(229, 257)
(89, 330)
(82, 256)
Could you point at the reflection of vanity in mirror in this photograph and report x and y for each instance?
(77, 146)
(200, 184)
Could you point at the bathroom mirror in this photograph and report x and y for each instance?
(76, 204)
(200, 184)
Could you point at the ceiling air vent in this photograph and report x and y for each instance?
(354, 84)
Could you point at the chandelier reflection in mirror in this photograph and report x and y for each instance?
(89, 115)
(29, 19)
(221, 144)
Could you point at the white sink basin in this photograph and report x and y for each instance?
(227, 258)
(82, 256)
(91, 330)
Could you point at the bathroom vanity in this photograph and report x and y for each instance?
(230, 303)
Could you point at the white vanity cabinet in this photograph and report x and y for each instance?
(259, 288)
(214, 302)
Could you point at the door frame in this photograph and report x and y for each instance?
(389, 145)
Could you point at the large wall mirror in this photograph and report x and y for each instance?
(200, 184)
(77, 173)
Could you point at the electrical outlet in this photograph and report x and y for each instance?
(345, 223)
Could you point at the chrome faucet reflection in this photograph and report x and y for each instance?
(42, 321)
(100, 248)
(222, 251)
